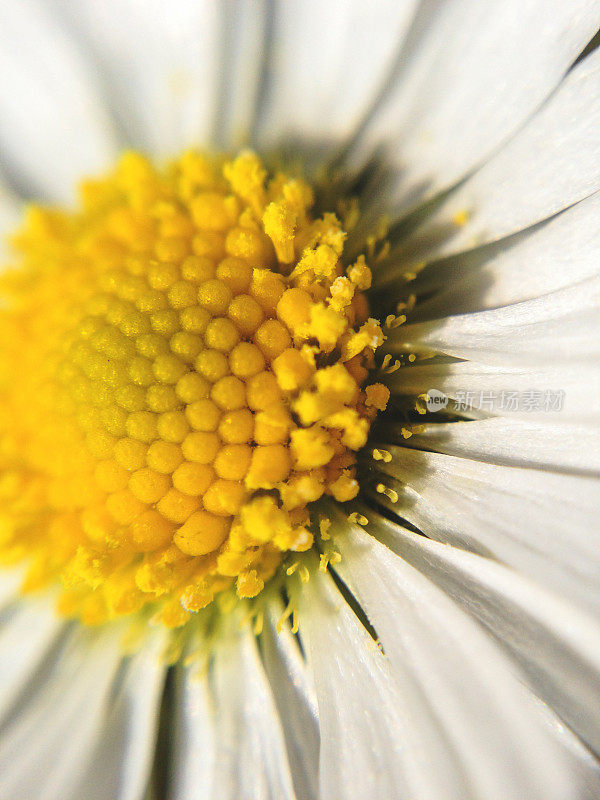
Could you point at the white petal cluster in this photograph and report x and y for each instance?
(482, 582)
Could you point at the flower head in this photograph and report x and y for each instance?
(185, 372)
(306, 432)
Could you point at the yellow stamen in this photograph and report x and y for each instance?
(391, 494)
(382, 455)
(387, 368)
(357, 518)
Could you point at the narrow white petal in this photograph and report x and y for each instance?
(553, 162)
(556, 645)
(492, 723)
(28, 631)
(246, 31)
(10, 580)
(53, 126)
(471, 75)
(193, 748)
(559, 325)
(484, 387)
(540, 443)
(379, 735)
(328, 63)
(160, 64)
(46, 742)
(558, 253)
(251, 759)
(541, 523)
(296, 702)
(120, 767)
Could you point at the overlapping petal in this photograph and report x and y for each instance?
(471, 74)
(476, 696)
(556, 646)
(486, 605)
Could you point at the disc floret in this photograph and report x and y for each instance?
(184, 370)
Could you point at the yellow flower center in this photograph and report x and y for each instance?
(183, 368)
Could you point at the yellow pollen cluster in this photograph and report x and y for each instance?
(182, 372)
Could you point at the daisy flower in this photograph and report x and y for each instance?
(298, 400)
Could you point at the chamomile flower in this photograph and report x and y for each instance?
(299, 400)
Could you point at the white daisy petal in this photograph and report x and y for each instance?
(541, 523)
(549, 165)
(191, 767)
(160, 62)
(535, 444)
(10, 581)
(584, 763)
(245, 30)
(67, 707)
(478, 384)
(379, 737)
(472, 73)
(558, 253)
(564, 324)
(492, 724)
(556, 645)
(120, 767)
(296, 702)
(329, 61)
(28, 630)
(251, 759)
(53, 128)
